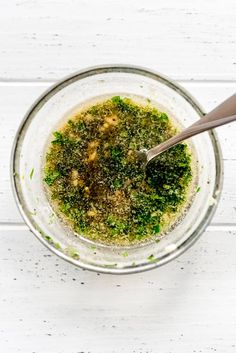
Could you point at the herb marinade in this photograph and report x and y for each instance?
(98, 185)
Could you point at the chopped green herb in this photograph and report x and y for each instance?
(198, 189)
(49, 239)
(164, 117)
(58, 137)
(31, 173)
(117, 183)
(100, 188)
(51, 176)
(57, 246)
(110, 265)
(152, 258)
(72, 253)
(125, 254)
(124, 134)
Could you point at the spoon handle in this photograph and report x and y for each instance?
(189, 132)
(226, 108)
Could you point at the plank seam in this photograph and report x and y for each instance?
(17, 82)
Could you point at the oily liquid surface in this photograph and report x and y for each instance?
(98, 186)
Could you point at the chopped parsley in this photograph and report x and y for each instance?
(96, 183)
(125, 254)
(31, 173)
(152, 258)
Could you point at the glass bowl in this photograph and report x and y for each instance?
(29, 151)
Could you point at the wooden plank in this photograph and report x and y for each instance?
(15, 98)
(190, 40)
(47, 303)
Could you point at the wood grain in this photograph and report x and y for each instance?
(185, 39)
(48, 305)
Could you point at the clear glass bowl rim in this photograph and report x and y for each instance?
(91, 71)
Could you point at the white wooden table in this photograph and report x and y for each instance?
(49, 306)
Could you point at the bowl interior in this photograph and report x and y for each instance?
(28, 157)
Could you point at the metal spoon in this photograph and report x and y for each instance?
(222, 114)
